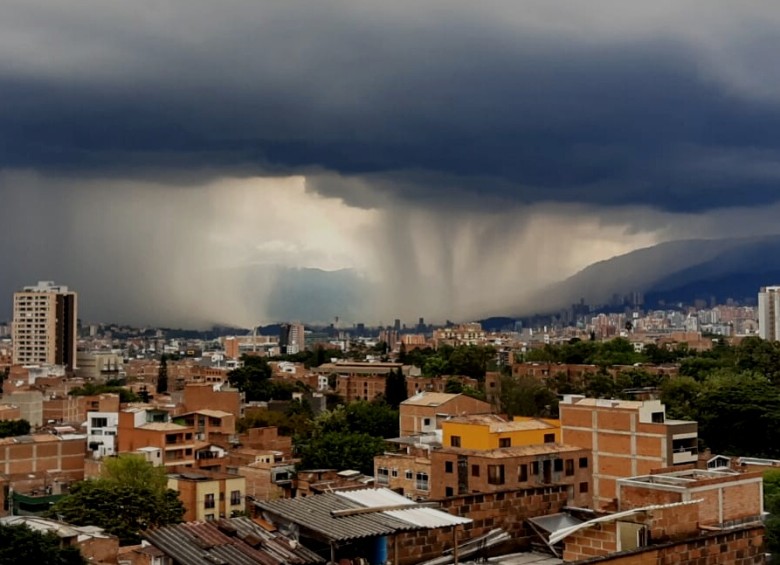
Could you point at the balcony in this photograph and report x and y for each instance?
(685, 455)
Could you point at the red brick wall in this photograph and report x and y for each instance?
(505, 509)
(740, 546)
(591, 542)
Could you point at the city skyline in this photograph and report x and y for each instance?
(189, 164)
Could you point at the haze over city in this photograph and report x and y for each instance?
(198, 163)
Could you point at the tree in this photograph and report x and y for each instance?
(162, 375)
(10, 428)
(91, 389)
(335, 450)
(20, 544)
(135, 471)
(130, 496)
(395, 388)
(527, 397)
(253, 378)
(772, 505)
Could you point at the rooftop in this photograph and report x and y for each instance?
(316, 513)
(498, 424)
(516, 451)
(163, 427)
(209, 413)
(238, 541)
(429, 399)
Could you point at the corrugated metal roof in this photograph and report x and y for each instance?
(314, 513)
(421, 517)
(563, 533)
(202, 543)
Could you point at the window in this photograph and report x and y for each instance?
(657, 417)
(496, 474)
(382, 476)
(393, 473)
(409, 475)
(535, 468)
(426, 422)
(475, 470)
(522, 473)
(455, 441)
(421, 481)
(583, 462)
(448, 466)
(448, 491)
(583, 488)
(208, 502)
(505, 442)
(558, 465)
(99, 422)
(569, 467)
(210, 517)
(549, 438)
(235, 497)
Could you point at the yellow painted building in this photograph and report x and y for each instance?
(209, 495)
(486, 432)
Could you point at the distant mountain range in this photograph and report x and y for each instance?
(678, 271)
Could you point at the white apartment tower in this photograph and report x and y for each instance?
(44, 325)
(769, 313)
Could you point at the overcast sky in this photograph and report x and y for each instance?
(190, 162)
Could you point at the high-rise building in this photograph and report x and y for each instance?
(769, 313)
(291, 338)
(44, 325)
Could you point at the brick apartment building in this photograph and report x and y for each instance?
(424, 412)
(149, 428)
(418, 384)
(628, 438)
(213, 397)
(208, 495)
(43, 462)
(465, 471)
(490, 431)
(689, 516)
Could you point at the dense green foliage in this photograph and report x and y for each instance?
(732, 391)
(395, 388)
(20, 544)
(467, 360)
(129, 497)
(348, 437)
(10, 428)
(772, 505)
(92, 389)
(254, 379)
(162, 375)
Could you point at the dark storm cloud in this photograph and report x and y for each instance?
(511, 102)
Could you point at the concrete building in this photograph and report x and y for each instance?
(102, 429)
(100, 366)
(44, 325)
(30, 403)
(209, 495)
(628, 438)
(769, 313)
(292, 338)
